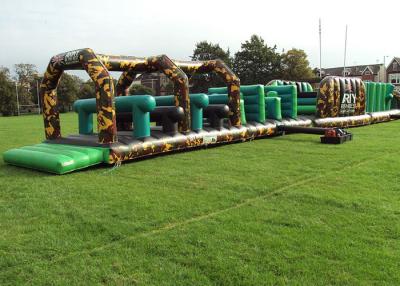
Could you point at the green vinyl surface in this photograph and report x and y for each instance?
(253, 98)
(56, 158)
(306, 109)
(273, 106)
(288, 95)
(306, 101)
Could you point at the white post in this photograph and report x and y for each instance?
(38, 95)
(345, 50)
(384, 68)
(320, 50)
(16, 91)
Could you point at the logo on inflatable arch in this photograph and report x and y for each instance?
(71, 57)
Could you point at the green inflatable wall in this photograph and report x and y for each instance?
(253, 100)
(288, 96)
(378, 96)
(304, 107)
(273, 106)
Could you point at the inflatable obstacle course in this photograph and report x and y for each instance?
(136, 126)
(138, 111)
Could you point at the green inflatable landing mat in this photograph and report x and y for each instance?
(56, 158)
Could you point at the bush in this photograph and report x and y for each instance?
(138, 89)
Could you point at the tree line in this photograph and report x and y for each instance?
(254, 63)
(26, 83)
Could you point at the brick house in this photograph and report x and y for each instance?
(156, 81)
(375, 72)
(393, 72)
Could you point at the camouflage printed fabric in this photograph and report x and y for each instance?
(340, 97)
(48, 95)
(79, 59)
(343, 122)
(217, 66)
(231, 79)
(133, 65)
(119, 152)
(382, 116)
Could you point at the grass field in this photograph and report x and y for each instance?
(286, 210)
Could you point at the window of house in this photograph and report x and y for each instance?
(346, 72)
(394, 78)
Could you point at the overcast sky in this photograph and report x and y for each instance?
(34, 31)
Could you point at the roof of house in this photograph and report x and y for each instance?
(391, 68)
(354, 70)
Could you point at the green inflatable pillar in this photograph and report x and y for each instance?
(197, 104)
(198, 101)
(367, 96)
(378, 92)
(389, 96)
(139, 105)
(273, 106)
(372, 97)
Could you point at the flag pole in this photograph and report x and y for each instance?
(320, 50)
(345, 51)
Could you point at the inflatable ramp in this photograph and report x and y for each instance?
(56, 158)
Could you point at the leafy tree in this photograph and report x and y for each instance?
(208, 51)
(87, 90)
(256, 62)
(138, 89)
(205, 51)
(296, 66)
(26, 75)
(67, 91)
(25, 72)
(8, 100)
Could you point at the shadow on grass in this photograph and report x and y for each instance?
(293, 138)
